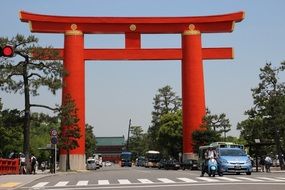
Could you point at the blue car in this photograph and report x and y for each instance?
(234, 160)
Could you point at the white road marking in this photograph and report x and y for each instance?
(145, 181)
(124, 181)
(187, 180)
(249, 179)
(165, 180)
(229, 179)
(103, 182)
(81, 183)
(207, 179)
(41, 184)
(271, 179)
(61, 183)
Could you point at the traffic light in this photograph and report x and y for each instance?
(7, 51)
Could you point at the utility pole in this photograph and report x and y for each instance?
(130, 122)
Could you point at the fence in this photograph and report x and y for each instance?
(9, 166)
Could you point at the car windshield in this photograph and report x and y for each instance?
(91, 161)
(232, 152)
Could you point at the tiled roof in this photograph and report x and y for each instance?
(110, 141)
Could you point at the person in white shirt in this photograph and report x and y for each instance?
(268, 163)
(210, 153)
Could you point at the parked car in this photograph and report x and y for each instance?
(172, 164)
(161, 163)
(91, 164)
(140, 161)
(189, 164)
(108, 163)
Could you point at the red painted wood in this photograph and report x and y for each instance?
(133, 40)
(74, 82)
(59, 24)
(152, 54)
(193, 98)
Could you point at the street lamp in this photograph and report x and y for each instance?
(130, 122)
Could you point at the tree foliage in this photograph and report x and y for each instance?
(165, 101)
(11, 132)
(138, 142)
(28, 75)
(267, 116)
(38, 72)
(213, 126)
(218, 123)
(90, 141)
(170, 134)
(69, 131)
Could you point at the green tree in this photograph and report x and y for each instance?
(90, 141)
(28, 75)
(165, 101)
(69, 131)
(217, 123)
(11, 132)
(41, 125)
(209, 130)
(204, 137)
(170, 134)
(138, 141)
(267, 116)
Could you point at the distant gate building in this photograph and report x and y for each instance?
(110, 148)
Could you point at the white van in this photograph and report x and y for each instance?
(91, 164)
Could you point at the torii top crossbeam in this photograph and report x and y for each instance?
(133, 27)
(144, 25)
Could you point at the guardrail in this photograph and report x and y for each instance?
(9, 166)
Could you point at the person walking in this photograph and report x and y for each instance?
(262, 163)
(22, 164)
(268, 163)
(33, 163)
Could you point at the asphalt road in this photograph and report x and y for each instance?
(115, 177)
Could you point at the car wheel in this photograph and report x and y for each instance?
(248, 173)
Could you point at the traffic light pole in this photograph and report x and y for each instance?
(54, 157)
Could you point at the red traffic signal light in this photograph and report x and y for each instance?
(7, 51)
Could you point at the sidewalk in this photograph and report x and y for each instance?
(9, 182)
(273, 170)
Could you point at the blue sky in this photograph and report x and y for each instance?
(119, 90)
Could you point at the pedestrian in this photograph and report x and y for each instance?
(268, 163)
(262, 163)
(33, 163)
(43, 166)
(22, 164)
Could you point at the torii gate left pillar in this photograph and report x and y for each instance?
(193, 96)
(74, 85)
(191, 54)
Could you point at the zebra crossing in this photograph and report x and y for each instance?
(223, 179)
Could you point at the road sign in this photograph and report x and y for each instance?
(53, 136)
(53, 132)
(53, 140)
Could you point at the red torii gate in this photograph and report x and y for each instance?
(191, 53)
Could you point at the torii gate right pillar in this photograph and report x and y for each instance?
(193, 98)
